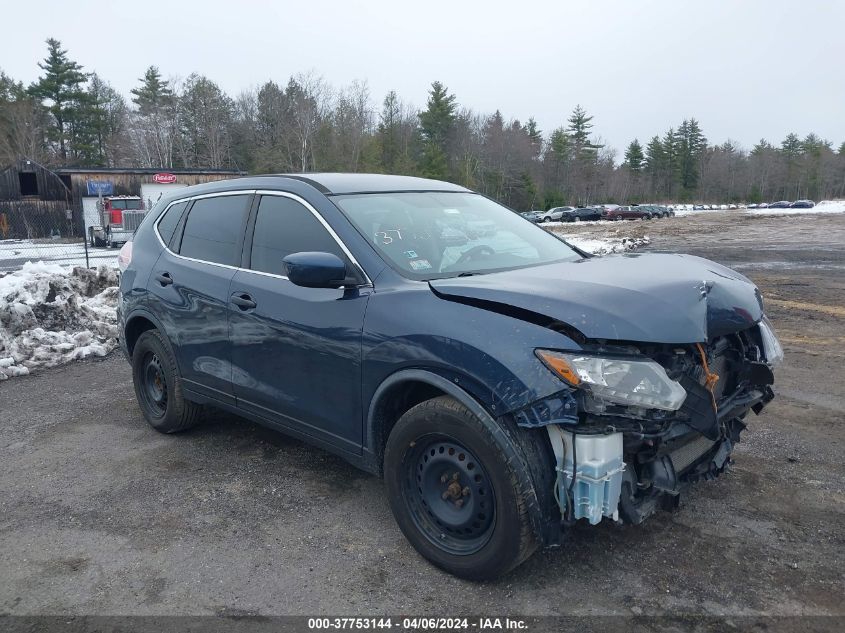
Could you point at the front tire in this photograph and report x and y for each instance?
(158, 386)
(459, 490)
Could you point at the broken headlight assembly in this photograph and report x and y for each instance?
(771, 345)
(629, 382)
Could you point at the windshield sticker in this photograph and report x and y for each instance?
(411, 254)
(420, 264)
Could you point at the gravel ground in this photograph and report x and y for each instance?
(99, 514)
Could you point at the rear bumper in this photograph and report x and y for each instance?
(120, 236)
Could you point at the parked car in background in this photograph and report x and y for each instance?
(504, 388)
(660, 211)
(698, 207)
(752, 206)
(627, 212)
(781, 204)
(802, 204)
(554, 214)
(606, 206)
(732, 206)
(581, 214)
(763, 205)
(534, 216)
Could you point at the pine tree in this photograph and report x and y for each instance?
(436, 124)
(634, 157)
(691, 144)
(655, 156)
(762, 148)
(437, 120)
(578, 129)
(791, 146)
(395, 136)
(153, 94)
(560, 145)
(103, 120)
(62, 86)
(535, 136)
(388, 131)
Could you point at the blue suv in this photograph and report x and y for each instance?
(504, 383)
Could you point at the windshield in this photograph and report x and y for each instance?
(126, 204)
(428, 235)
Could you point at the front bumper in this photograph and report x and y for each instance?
(656, 454)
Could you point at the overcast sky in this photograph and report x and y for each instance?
(744, 69)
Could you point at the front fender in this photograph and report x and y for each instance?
(488, 355)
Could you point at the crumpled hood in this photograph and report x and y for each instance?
(650, 298)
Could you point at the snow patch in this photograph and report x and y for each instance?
(50, 315)
(606, 246)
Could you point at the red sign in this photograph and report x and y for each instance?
(164, 179)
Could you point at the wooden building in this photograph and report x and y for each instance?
(37, 202)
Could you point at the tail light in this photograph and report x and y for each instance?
(124, 257)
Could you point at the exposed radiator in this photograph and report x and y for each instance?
(686, 455)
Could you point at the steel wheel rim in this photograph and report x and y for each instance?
(154, 385)
(449, 495)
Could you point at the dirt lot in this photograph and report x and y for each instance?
(99, 514)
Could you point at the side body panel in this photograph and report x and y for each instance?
(297, 355)
(194, 312)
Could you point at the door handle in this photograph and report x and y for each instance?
(243, 301)
(164, 279)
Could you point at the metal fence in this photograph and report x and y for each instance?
(46, 231)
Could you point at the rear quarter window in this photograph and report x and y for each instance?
(170, 220)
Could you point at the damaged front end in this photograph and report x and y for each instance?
(641, 421)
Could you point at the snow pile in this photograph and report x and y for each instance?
(50, 315)
(825, 206)
(607, 245)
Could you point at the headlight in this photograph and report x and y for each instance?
(626, 382)
(771, 345)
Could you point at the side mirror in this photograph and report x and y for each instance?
(315, 270)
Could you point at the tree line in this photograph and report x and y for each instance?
(73, 117)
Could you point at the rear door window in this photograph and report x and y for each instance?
(284, 226)
(213, 229)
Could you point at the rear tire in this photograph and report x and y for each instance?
(459, 490)
(158, 386)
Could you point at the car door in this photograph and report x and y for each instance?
(296, 352)
(189, 288)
